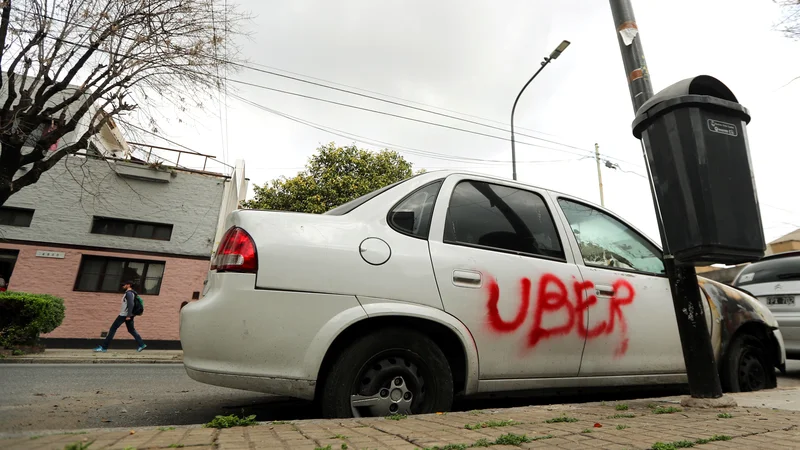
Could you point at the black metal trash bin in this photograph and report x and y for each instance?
(696, 141)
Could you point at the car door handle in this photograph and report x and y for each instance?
(467, 278)
(603, 291)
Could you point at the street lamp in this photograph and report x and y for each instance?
(553, 55)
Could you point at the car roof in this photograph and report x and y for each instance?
(788, 254)
(448, 172)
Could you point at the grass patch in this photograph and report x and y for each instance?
(622, 416)
(506, 439)
(176, 446)
(339, 436)
(490, 424)
(231, 421)
(621, 407)
(327, 447)
(714, 438)
(688, 444)
(344, 446)
(672, 445)
(475, 412)
(586, 431)
(512, 439)
(666, 410)
(397, 417)
(562, 419)
(725, 416)
(652, 405)
(77, 446)
(450, 447)
(622, 427)
(166, 428)
(280, 422)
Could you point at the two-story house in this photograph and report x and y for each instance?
(118, 212)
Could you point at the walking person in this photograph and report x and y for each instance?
(126, 317)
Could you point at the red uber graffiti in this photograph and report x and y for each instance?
(553, 296)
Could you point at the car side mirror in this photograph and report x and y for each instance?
(403, 219)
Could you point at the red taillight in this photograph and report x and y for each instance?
(236, 253)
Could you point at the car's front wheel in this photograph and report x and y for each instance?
(747, 367)
(392, 371)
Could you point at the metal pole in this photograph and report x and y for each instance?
(599, 173)
(698, 354)
(513, 108)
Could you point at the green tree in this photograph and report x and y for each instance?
(334, 176)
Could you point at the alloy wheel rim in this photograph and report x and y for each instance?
(388, 385)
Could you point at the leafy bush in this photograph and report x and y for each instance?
(24, 316)
(231, 421)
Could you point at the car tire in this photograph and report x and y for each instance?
(746, 366)
(371, 366)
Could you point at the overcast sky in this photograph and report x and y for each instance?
(473, 56)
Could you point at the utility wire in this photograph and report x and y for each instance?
(351, 92)
(398, 116)
(375, 142)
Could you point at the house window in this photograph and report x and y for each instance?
(102, 274)
(132, 228)
(16, 217)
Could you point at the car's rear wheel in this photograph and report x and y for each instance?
(393, 371)
(747, 367)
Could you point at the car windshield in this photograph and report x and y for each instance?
(353, 204)
(770, 271)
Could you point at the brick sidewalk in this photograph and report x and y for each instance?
(591, 425)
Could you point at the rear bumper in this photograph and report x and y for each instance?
(261, 340)
(790, 330)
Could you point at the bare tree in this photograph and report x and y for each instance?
(790, 23)
(71, 66)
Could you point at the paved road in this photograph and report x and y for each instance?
(62, 397)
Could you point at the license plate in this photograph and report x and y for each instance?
(781, 300)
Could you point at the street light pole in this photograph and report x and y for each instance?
(547, 59)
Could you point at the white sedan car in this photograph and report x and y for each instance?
(452, 284)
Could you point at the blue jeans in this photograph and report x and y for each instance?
(118, 323)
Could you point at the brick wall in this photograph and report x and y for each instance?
(90, 313)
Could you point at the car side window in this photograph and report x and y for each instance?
(607, 242)
(413, 214)
(501, 218)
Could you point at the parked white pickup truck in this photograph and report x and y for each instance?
(453, 284)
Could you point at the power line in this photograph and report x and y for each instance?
(351, 92)
(373, 110)
(327, 86)
(398, 116)
(375, 142)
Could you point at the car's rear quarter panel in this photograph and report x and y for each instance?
(320, 253)
(241, 331)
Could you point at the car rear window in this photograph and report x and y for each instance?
(770, 271)
(353, 204)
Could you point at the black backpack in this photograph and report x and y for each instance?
(138, 304)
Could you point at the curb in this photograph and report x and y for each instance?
(23, 360)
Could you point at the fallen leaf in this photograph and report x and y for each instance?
(597, 425)
(133, 432)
